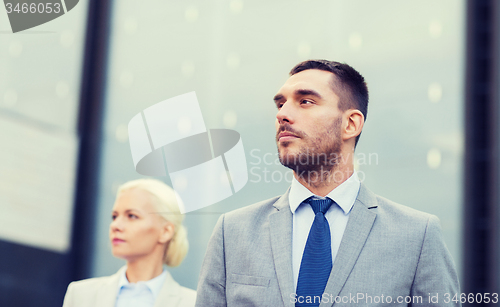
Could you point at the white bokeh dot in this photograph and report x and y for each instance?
(304, 49)
(435, 29)
(67, 38)
(435, 92)
(10, 98)
(62, 89)
(233, 61)
(188, 68)
(433, 158)
(15, 49)
(130, 25)
(191, 13)
(236, 6)
(121, 133)
(126, 79)
(355, 41)
(230, 119)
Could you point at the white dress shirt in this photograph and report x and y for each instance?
(303, 216)
(140, 294)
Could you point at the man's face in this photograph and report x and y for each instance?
(308, 123)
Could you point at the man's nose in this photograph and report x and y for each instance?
(285, 113)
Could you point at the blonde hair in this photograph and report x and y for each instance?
(167, 206)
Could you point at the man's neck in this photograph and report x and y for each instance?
(322, 184)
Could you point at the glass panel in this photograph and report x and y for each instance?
(40, 72)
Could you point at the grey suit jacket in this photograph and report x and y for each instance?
(102, 292)
(388, 252)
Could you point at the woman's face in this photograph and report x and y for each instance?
(136, 231)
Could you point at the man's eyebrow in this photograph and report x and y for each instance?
(299, 92)
(278, 97)
(305, 92)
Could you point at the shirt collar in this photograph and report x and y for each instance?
(154, 284)
(344, 195)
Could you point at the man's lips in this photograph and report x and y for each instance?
(286, 136)
(117, 241)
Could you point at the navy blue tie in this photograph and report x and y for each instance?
(316, 262)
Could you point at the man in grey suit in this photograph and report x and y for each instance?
(328, 240)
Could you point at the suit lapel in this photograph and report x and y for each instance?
(280, 227)
(169, 294)
(358, 228)
(106, 295)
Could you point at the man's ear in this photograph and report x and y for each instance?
(167, 232)
(355, 121)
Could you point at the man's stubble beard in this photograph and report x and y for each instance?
(319, 157)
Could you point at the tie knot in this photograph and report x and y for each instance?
(319, 205)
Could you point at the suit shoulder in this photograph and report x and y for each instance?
(91, 281)
(399, 221)
(402, 213)
(90, 284)
(257, 209)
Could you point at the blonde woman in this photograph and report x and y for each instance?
(146, 230)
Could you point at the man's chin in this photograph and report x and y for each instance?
(288, 160)
(284, 144)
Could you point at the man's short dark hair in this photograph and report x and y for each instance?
(347, 83)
